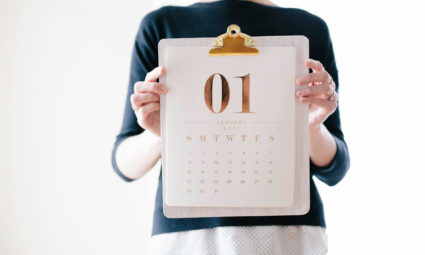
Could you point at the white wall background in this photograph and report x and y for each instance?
(64, 68)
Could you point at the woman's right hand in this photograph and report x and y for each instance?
(145, 101)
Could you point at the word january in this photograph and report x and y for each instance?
(231, 122)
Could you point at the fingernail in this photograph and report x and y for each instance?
(298, 81)
(300, 93)
(164, 88)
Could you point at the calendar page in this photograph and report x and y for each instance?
(230, 125)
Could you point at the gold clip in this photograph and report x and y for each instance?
(233, 43)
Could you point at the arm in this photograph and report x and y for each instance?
(329, 158)
(134, 160)
(322, 146)
(328, 152)
(137, 154)
(321, 87)
(138, 145)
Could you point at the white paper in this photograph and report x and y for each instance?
(262, 171)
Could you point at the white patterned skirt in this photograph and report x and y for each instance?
(245, 240)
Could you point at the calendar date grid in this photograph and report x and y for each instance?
(254, 167)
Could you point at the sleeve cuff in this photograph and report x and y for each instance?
(336, 170)
(114, 162)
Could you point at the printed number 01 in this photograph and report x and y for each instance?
(225, 93)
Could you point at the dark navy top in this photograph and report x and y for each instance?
(211, 20)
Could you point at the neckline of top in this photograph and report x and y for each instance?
(233, 3)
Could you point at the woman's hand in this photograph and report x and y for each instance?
(145, 101)
(320, 95)
(322, 100)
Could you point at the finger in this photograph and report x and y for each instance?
(333, 84)
(314, 64)
(319, 89)
(138, 99)
(154, 87)
(330, 106)
(322, 76)
(145, 110)
(153, 75)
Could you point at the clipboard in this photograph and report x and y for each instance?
(235, 43)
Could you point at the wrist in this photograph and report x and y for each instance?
(315, 129)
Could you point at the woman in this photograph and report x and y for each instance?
(138, 146)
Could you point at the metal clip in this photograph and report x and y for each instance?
(233, 43)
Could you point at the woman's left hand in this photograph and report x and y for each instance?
(320, 94)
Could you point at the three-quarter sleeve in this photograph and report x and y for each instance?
(143, 60)
(337, 169)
